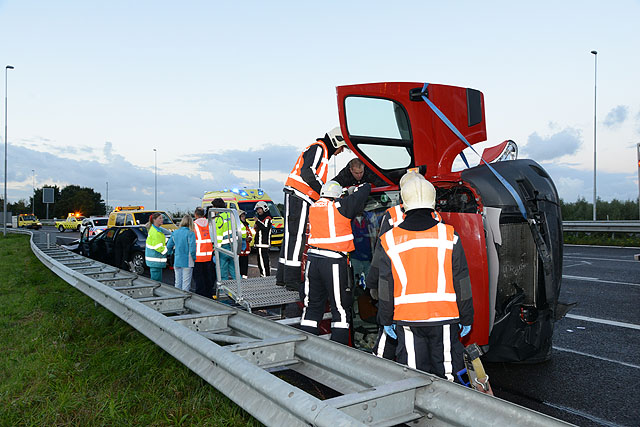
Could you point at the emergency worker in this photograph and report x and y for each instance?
(424, 286)
(247, 236)
(301, 189)
(155, 253)
(203, 267)
(223, 234)
(326, 271)
(356, 173)
(263, 237)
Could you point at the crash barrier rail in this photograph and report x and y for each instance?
(374, 391)
(250, 293)
(602, 226)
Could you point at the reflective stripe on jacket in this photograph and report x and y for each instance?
(321, 163)
(328, 228)
(155, 253)
(422, 273)
(204, 246)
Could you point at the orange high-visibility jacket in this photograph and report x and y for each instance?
(422, 273)
(295, 181)
(204, 246)
(328, 228)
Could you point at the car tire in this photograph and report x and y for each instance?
(61, 229)
(138, 263)
(78, 228)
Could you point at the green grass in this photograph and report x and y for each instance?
(602, 239)
(64, 361)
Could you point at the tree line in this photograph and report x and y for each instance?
(615, 210)
(71, 198)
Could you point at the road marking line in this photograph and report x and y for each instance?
(603, 321)
(601, 259)
(595, 279)
(630, 365)
(582, 414)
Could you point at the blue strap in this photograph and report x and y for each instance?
(450, 125)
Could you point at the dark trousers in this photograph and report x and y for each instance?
(295, 226)
(385, 346)
(243, 260)
(204, 278)
(327, 277)
(433, 349)
(263, 262)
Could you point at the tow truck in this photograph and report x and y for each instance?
(245, 199)
(73, 222)
(25, 221)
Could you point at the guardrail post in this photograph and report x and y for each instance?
(48, 241)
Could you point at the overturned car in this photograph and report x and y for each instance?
(505, 210)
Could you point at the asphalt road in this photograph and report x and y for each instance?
(592, 377)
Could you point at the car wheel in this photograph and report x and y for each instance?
(78, 228)
(138, 263)
(61, 229)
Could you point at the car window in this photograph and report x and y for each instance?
(100, 222)
(249, 208)
(120, 219)
(109, 234)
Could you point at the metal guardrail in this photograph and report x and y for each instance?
(604, 226)
(375, 391)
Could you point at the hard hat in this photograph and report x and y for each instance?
(331, 189)
(417, 192)
(335, 135)
(263, 205)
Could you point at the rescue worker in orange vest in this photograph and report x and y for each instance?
(203, 267)
(301, 189)
(326, 270)
(386, 346)
(424, 286)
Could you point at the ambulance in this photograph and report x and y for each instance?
(245, 199)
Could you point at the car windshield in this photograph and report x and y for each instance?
(28, 218)
(100, 222)
(249, 208)
(143, 217)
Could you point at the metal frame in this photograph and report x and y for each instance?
(375, 391)
(605, 226)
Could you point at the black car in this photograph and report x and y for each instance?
(121, 247)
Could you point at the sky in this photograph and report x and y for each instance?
(214, 86)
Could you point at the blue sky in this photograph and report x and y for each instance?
(213, 86)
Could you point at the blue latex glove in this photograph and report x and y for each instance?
(465, 330)
(391, 331)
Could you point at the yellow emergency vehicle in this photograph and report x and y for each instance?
(245, 199)
(26, 221)
(73, 222)
(137, 215)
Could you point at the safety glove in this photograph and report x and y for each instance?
(391, 331)
(465, 330)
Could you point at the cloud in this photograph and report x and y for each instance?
(134, 185)
(616, 116)
(562, 143)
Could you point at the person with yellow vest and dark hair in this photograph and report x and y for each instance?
(424, 287)
(326, 270)
(301, 189)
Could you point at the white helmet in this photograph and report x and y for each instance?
(417, 192)
(331, 189)
(337, 140)
(263, 205)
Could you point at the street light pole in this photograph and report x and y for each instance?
(259, 172)
(638, 147)
(33, 187)
(4, 216)
(595, 92)
(155, 154)
(106, 206)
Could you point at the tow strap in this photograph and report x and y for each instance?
(451, 126)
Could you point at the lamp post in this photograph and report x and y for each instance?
(595, 92)
(106, 206)
(4, 216)
(33, 187)
(259, 172)
(155, 155)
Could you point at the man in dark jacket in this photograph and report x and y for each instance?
(356, 173)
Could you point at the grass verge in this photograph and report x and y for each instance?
(602, 239)
(64, 361)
